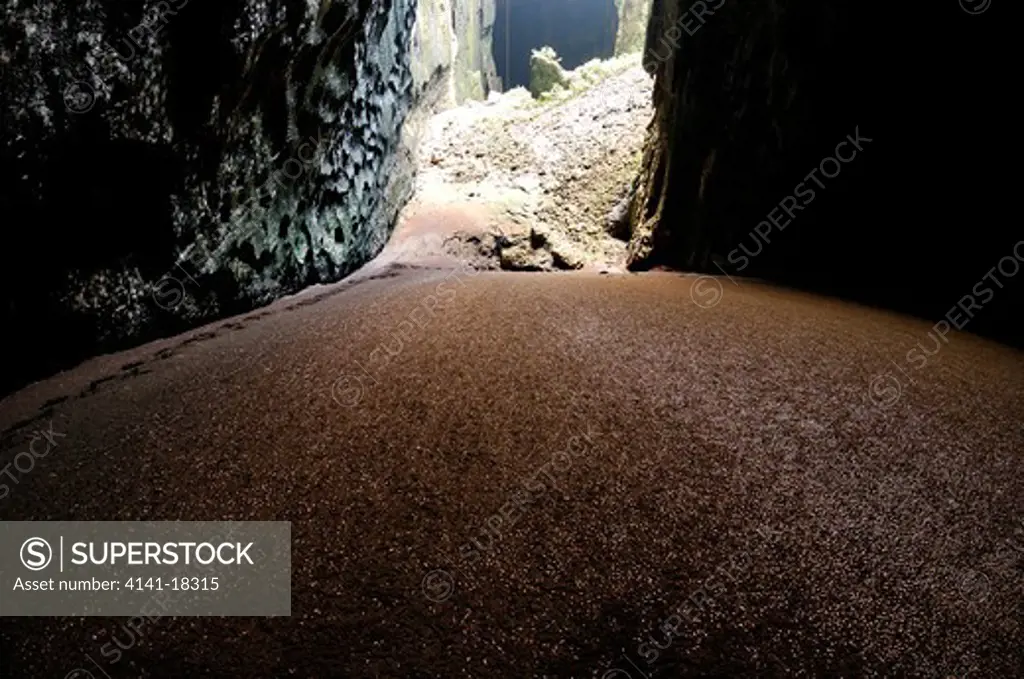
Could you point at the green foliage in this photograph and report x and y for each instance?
(586, 76)
(546, 72)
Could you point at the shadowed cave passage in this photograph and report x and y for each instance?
(542, 386)
(578, 30)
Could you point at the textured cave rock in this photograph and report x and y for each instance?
(632, 31)
(474, 69)
(751, 97)
(167, 163)
(748, 99)
(453, 46)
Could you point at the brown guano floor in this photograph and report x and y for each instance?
(556, 475)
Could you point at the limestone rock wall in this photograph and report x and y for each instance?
(166, 163)
(738, 90)
(632, 31)
(476, 74)
(451, 60)
(816, 143)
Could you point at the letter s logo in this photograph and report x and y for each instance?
(36, 554)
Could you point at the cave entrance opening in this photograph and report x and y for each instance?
(578, 30)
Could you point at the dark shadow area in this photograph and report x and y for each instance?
(105, 202)
(916, 220)
(578, 30)
(87, 198)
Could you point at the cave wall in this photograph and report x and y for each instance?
(475, 72)
(632, 30)
(167, 163)
(453, 48)
(823, 145)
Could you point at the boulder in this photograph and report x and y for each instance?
(617, 221)
(546, 72)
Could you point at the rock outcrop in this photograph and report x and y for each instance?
(798, 141)
(489, 173)
(546, 72)
(743, 111)
(166, 163)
